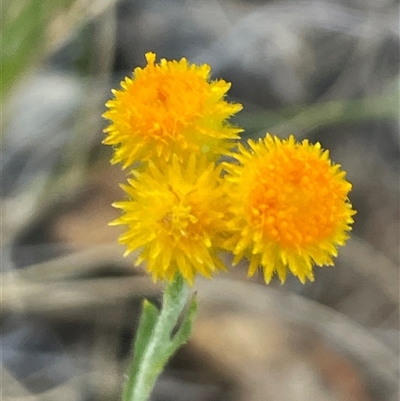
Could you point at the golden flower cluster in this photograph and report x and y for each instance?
(280, 204)
(169, 108)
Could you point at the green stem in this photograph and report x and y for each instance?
(154, 343)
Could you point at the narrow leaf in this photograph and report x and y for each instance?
(144, 332)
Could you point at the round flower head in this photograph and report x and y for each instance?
(175, 218)
(168, 108)
(289, 207)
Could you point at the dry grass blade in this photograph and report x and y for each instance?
(20, 296)
(81, 263)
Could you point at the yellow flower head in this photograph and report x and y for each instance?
(169, 108)
(175, 218)
(289, 207)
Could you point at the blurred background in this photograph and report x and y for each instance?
(323, 70)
